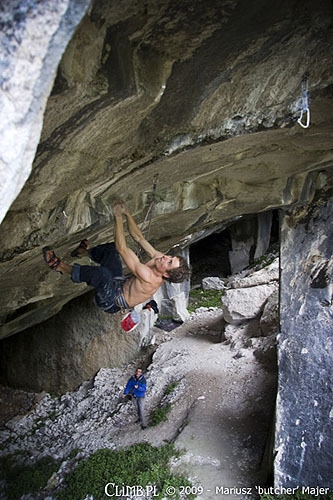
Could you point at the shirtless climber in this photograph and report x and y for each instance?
(112, 292)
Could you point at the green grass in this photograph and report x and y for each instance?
(140, 464)
(204, 298)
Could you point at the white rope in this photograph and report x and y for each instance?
(149, 211)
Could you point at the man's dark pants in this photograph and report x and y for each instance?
(103, 277)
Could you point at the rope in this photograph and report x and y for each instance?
(149, 213)
(305, 105)
(151, 304)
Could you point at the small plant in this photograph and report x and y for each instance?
(160, 414)
(266, 259)
(170, 388)
(139, 465)
(74, 452)
(204, 298)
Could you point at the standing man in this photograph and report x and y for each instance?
(136, 387)
(112, 294)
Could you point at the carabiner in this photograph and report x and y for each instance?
(305, 104)
(307, 111)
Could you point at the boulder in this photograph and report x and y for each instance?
(256, 277)
(269, 320)
(213, 283)
(242, 304)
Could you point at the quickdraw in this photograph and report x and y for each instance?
(305, 106)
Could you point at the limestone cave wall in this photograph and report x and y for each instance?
(304, 406)
(202, 98)
(100, 99)
(59, 354)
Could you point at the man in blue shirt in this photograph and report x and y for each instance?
(136, 387)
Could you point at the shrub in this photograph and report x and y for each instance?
(170, 388)
(23, 479)
(139, 465)
(160, 414)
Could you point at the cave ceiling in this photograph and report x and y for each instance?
(201, 98)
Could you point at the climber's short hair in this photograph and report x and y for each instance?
(181, 273)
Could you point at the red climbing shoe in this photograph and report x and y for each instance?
(51, 259)
(84, 244)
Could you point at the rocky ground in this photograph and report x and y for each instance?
(222, 409)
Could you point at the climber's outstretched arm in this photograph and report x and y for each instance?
(137, 235)
(131, 260)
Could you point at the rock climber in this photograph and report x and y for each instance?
(113, 292)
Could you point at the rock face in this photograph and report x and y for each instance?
(304, 405)
(204, 98)
(33, 39)
(68, 348)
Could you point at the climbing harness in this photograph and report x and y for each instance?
(305, 105)
(149, 213)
